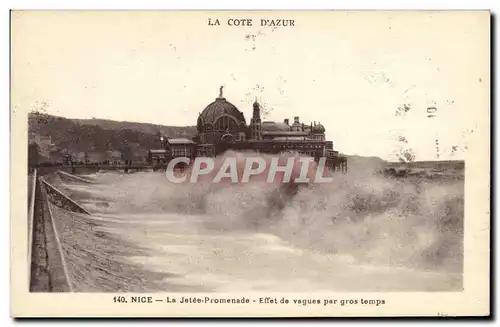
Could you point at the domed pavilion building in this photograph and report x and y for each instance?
(221, 126)
(221, 121)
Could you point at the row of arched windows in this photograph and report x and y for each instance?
(223, 123)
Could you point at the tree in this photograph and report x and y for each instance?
(126, 153)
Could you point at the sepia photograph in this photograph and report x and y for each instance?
(334, 162)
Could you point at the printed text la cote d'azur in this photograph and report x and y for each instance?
(251, 22)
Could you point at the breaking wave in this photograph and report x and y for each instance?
(415, 223)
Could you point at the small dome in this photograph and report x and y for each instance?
(319, 128)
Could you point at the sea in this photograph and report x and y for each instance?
(362, 232)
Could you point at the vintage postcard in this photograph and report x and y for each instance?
(250, 163)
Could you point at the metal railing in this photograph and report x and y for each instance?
(60, 250)
(47, 265)
(31, 215)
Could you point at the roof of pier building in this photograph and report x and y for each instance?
(272, 126)
(218, 108)
(180, 141)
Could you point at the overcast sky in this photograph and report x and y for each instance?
(349, 71)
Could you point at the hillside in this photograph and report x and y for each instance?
(99, 139)
(104, 140)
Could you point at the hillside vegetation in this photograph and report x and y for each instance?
(97, 139)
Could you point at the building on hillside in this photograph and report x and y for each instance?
(172, 148)
(181, 147)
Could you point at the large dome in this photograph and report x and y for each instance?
(218, 108)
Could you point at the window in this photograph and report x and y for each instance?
(181, 152)
(225, 123)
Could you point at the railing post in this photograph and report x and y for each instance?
(31, 215)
